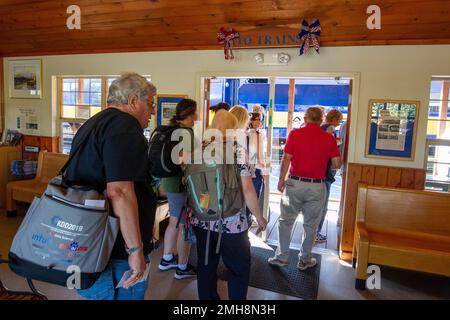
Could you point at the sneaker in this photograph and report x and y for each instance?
(165, 265)
(320, 238)
(305, 265)
(274, 261)
(187, 273)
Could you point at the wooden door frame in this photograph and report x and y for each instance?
(354, 77)
(2, 96)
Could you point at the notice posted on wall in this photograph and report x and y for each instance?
(27, 120)
(391, 133)
(168, 111)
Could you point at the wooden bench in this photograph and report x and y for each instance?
(407, 229)
(49, 164)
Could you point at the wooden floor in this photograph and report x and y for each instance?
(336, 279)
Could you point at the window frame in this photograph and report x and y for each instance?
(61, 119)
(435, 141)
(103, 104)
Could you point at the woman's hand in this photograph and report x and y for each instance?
(262, 222)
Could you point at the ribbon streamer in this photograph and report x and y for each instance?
(226, 38)
(309, 36)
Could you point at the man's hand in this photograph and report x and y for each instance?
(281, 184)
(136, 261)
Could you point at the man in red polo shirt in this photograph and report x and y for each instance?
(307, 152)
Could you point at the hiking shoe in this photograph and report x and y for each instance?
(320, 238)
(305, 265)
(187, 273)
(274, 261)
(165, 265)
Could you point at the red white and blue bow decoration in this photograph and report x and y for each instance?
(226, 38)
(309, 36)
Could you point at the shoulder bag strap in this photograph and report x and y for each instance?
(83, 139)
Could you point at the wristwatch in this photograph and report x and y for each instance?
(134, 249)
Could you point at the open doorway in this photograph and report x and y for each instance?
(284, 101)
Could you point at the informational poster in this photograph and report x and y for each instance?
(168, 111)
(27, 120)
(392, 127)
(83, 112)
(166, 107)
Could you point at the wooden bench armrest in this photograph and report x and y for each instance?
(362, 232)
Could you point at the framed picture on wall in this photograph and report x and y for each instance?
(165, 107)
(391, 129)
(25, 78)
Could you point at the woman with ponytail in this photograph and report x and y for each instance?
(185, 117)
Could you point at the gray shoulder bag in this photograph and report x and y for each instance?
(67, 232)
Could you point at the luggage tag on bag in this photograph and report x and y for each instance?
(204, 200)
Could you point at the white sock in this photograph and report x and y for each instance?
(168, 257)
(182, 266)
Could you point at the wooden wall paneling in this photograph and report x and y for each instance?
(368, 175)
(50, 144)
(407, 179)
(394, 177)
(419, 179)
(381, 176)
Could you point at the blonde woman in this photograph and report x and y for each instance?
(242, 116)
(235, 244)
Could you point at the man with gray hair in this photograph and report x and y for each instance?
(307, 153)
(114, 159)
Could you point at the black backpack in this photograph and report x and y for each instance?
(330, 173)
(160, 151)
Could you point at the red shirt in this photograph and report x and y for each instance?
(311, 148)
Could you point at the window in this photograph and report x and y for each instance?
(79, 99)
(438, 136)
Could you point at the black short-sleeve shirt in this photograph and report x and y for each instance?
(116, 150)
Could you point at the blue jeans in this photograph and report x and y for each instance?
(325, 208)
(105, 286)
(258, 184)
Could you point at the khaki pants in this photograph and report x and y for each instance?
(305, 197)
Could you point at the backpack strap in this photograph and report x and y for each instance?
(208, 240)
(219, 240)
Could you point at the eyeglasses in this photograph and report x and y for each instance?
(152, 105)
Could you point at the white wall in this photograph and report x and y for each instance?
(386, 72)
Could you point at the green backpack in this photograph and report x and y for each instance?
(214, 192)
